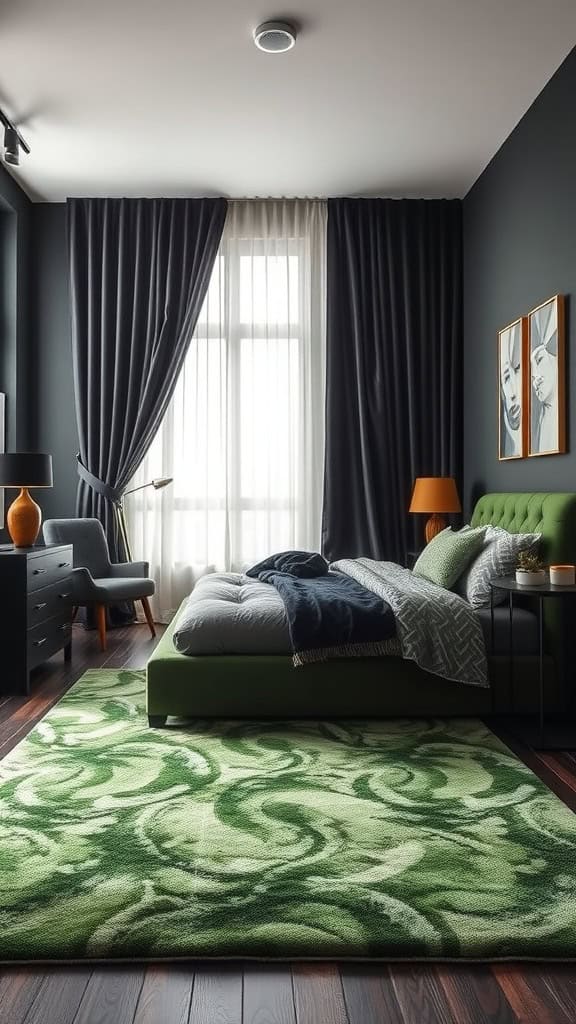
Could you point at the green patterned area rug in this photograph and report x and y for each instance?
(408, 839)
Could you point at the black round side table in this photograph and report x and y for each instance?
(542, 592)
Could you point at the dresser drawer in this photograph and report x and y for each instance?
(48, 568)
(49, 601)
(47, 638)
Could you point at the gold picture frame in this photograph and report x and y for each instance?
(546, 378)
(512, 371)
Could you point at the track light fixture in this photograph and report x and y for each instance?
(11, 153)
(13, 141)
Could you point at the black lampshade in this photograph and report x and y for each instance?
(25, 469)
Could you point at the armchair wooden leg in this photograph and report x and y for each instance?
(148, 614)
(101, 618)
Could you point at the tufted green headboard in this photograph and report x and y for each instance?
(554, 516)
(551, 514)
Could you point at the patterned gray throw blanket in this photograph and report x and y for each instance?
(436, 628)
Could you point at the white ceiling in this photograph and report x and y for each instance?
(171, 97)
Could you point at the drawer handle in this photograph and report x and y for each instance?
(65, 627)
(64, 596)
(39, 607)
(38, 643)
(63, 565)
(38, 572)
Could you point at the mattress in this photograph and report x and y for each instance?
(230, 613)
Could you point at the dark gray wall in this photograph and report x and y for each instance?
(519, 249)
(55, 426)
(15, 323)
(15, 296)
(35, 340)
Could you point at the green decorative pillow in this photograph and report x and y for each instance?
(445, 558)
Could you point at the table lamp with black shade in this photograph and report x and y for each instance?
(25, 470)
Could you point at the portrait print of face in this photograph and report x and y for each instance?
(510, 375)
(544, 379)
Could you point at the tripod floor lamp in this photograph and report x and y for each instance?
(158, 483)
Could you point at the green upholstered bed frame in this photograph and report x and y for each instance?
(244, 686)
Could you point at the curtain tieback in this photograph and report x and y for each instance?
(100, 486)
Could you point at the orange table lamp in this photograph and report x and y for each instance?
(435, 494)
(24, 470)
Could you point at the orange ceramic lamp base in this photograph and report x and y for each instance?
(434, 526)
(23, 520)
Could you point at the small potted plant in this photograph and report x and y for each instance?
(530, 571)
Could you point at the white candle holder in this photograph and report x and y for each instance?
(562, 575)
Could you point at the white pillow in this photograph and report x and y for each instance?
(498, 557)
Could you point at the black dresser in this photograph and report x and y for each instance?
(35, 611)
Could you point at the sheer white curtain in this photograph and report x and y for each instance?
(243, 436)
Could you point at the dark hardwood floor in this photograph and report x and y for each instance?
(255, 993)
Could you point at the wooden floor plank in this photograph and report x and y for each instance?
(140, 652)
(165, 995)
(561, 767)
(560, 980)
(544, 771)
(420, 995)
(369, 995)
(217, 995)
(527, 995)
(111, 996)
(318, 994)
(474, 995)
(268, 994)
(59, 995)
(19, 987)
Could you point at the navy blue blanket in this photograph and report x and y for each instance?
(330, 615)
(304, 564)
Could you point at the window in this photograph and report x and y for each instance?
(243, 435)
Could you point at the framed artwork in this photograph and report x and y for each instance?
(512, 410)
(547, 379)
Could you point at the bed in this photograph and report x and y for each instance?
(267, 685)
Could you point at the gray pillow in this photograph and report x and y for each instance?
(446, 556)
(498, 557)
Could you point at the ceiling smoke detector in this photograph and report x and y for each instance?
(275, 36)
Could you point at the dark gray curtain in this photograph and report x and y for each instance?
(139, 271)
(394, 368)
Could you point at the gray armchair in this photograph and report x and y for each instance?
(95, 579)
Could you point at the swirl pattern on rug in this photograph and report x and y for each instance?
(402, 838)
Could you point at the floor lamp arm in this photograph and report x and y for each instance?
(123, 528)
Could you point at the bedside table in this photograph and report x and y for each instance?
(543, 592)
(35, 610)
